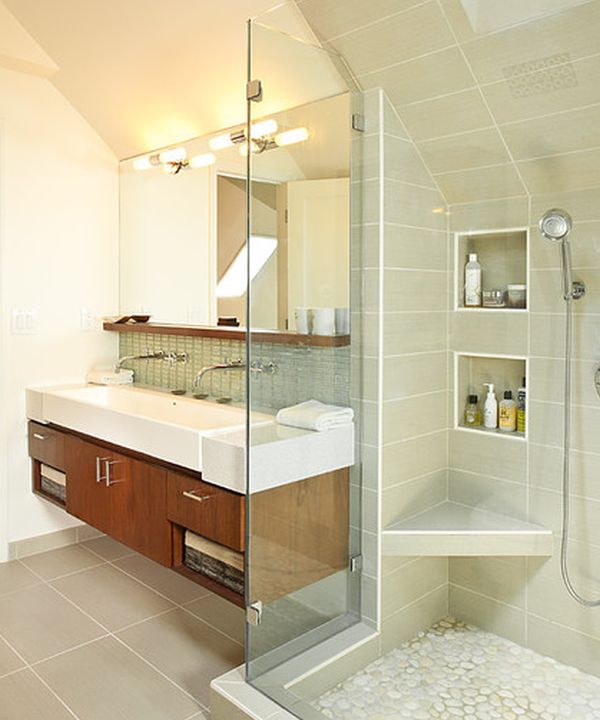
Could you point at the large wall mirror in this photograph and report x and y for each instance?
(183, 222)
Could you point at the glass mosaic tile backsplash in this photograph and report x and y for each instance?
(302, 373)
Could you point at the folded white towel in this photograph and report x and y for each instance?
(315, 415)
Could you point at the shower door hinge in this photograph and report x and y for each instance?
(254, 613)
(356, 563)
(254, 91)
(358, 122)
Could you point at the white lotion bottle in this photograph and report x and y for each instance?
(472, 282)
(490, 408)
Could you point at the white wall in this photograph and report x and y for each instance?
(58, 253)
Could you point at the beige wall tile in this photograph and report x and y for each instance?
(547, 381)
(572, 31)
(546, 291)
(468, 150)
(585, 247)
(547, 336)
(410, 582)
(366, 161)
(413, 497)
(419, 616)
(490, 214)
(503, 579)
(409, 375)
(414, 416)
(456, 113)
(406, 332)
(554, 134)
(422, 78)
(497, 456)
(415, 248)
(565, 645)
(401, 161)
(330, 18)
(409, 205)
(488, 493)
(545, 509)
(464, 186)
(414, 290)
(493, 333)
(582, 204)
(561, 172)
(417, 31)
(409, 459)
(545, 470)
(504, 620)
(392, 124)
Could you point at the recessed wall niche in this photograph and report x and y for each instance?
(504, 259)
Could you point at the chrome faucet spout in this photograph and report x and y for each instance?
(158, 355)
(227, 365)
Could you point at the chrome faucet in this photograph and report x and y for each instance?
(158, 355)
(227, 365)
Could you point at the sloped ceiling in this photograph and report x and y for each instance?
(500, 105)
(145, 73)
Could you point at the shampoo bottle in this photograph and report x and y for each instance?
(490, 409)
(508, 413)
(473, 282)
(521, 407)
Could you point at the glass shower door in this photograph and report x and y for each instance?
(303, 505)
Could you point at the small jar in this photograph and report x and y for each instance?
(516, 297)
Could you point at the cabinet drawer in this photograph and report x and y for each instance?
(47, 445)
(206, 509)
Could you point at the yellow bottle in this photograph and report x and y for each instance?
(507, 413)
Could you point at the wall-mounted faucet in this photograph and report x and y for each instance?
(158, 355)
(173, 358)
(227, 365)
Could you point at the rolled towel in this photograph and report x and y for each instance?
(315, 415)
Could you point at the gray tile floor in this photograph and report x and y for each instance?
(96, 632)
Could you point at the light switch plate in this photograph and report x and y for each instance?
(89, 320)
(24, 321)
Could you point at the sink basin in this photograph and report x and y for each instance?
(152, 422)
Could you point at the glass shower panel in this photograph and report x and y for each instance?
(303, 510)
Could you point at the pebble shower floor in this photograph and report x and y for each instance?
(455, 670)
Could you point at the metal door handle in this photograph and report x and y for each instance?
(37, 436)
(193, 495)
(107, 466)
(99, 461)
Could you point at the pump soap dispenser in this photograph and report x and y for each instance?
(490, 409)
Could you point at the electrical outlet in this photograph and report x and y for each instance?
(89, 320)
(24, 321)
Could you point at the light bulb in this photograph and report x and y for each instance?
(200, 161)
(262, 128)
(220, 142)
(291, 137)
(244, 149)
(174, 155)
(142, 163)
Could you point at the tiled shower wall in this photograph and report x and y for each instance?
(523, 598)
(301, 372)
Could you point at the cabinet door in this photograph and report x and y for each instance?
(86, 489)
(138, 507)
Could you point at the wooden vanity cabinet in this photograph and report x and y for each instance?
(119, 495)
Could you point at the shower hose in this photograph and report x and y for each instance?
(566, 479)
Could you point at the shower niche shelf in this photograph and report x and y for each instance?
(504, 258)
(453, 530)
(471, 371)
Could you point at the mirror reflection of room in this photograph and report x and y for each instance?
(183, 216)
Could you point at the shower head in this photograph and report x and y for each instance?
(555, 224)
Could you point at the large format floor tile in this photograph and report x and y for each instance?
(53, 564)
(106, 681)
(108, 548)
(9, 660)
(221, 614)
(39, 623)
(185, 649)
(24, 697)
(14, 576)
(168, 583)
(111, 597)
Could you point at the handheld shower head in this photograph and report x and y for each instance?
(555, 224)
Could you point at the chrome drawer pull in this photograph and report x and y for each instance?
(99, 476)
(37, 436)
(107, 466)
(192, 495)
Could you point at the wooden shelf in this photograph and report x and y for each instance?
(453, 530)
(231, 333)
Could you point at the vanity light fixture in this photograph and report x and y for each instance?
(173, 161)
(174, 155)
(204, 160)
(260, 130)
(291, 137)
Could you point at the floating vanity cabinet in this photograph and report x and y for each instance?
(119, 495)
